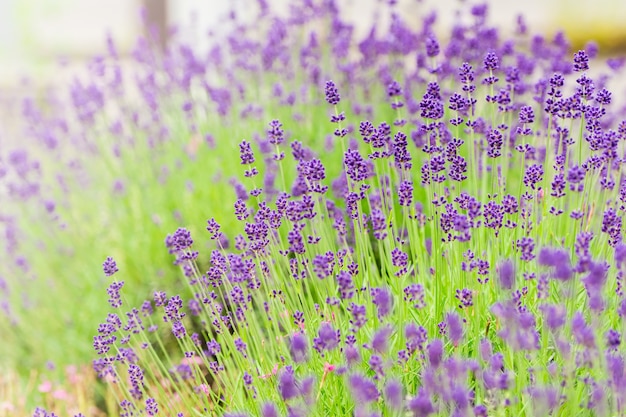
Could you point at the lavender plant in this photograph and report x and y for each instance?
(436, 231)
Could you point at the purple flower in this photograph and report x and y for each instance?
(554, 315)
(612, 226)
(480, 410)
(363, 389)
(380, 340)
(241, 346)
(495, 140)
(332, 94)
(357, 169)
(421, 405)
(613, 339)
(376, 364)
(466, 75)
(583, 334)
(399, 258)
(327, 338)
(359, 316)
(491, 61)
(346, 286)
(581, 61)
(620, 255)
(298, 347)
(455, 327)
(594, 282)
(275, 133)
(526, 246)
(109, 267)
(435, 352)
(151, 407)
(526, 115)
(269, 410)
(213, 347)
(213, 228)
(510, 204)
(465, 296)
(383, 300)
(393, 394)
(432, 46)
(559, 260)
(179, 241)
(115, 300)
(352, 355)
(506, 273)
(394, 89)
(533, 176)
(287, 384)
(379, 224)
(178, 329)
(245, 153)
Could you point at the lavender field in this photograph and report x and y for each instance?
(301, 222)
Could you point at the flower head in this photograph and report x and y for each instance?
(332, 94)
(109, 267)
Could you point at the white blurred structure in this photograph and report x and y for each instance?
(34, 32)
(193, 18)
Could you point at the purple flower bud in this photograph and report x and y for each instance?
(245, 153)
(115, 299)
(405, 193)
(383, 300)
(432, 46)
(421, 405)
(346, 286)
(381, 339)
(583, 334)
(554, 315)
(151, 407)
(394, 89)
(269, 410)
(455, 328)
(435, 352)
(393, 394)
(620, 255)
(178, 329)
(328, 338)
(506, 273)
(299, 348)
(287, 385)
(363, 389)
(332, 94)
(491, 61)
(275, 133)
(526, 246)
(581, 61)
(109, 267)
(613, 339)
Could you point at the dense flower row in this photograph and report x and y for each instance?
(381, 283)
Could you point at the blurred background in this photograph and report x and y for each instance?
(37, 37)
(47, 43)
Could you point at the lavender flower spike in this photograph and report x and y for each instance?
(109, 267)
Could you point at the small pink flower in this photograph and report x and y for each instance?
(60, 394)
(328, 367)
(204, 388)
(271, 374)
(191, 361)
(6, 406)
(45, 386)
